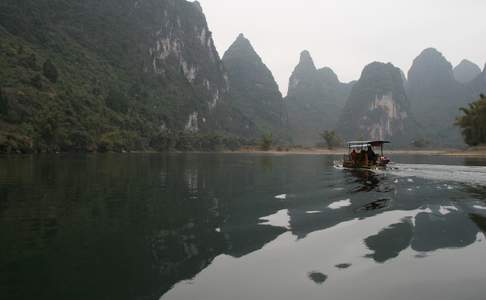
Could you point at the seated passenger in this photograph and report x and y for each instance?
(354, 155)
(371, 155)
(363, 156)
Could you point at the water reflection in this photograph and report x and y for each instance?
(366, 181)
(427, 232)
(389, 242)
(343, 266)
(432, 224)
(130, 227)
(480, 221)
(317, 277)
(140, 223)
(375, 205)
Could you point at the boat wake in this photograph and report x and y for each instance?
(463, 174)
(338, 164)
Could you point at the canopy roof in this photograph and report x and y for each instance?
(360, 144)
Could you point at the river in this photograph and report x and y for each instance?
(240, 226)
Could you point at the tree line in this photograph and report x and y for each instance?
(473, 122)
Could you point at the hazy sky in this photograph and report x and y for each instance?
(346, 35)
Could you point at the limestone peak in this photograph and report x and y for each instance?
(466, 71)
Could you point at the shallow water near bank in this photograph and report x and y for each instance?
(240, 226)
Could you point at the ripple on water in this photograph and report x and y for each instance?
(340, 204)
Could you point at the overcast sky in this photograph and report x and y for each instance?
(346, 35)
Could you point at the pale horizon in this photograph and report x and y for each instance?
(348, 35)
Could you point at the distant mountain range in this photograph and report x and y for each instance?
(112, 75)
(436, 96)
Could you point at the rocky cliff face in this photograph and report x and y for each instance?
(127, 71)
(436, 97)
(179, 42)
(314, 101)
(466, 71)
(253, 89)
(378, 107)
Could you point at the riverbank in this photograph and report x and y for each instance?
(479, 151)
(472, 152)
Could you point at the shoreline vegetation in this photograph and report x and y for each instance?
(474, 151)
(470, 152)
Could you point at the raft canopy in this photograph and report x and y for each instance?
(364, 144)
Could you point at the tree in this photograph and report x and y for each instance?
(232, 143)
(331, 138)
(164, 141)
(266, 142)
(473, 122)
(117, 100)
(36, 81)
(50, 71)
(209, 142)
(3, 103)
(31, 62)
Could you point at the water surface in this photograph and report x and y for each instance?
(231, 226)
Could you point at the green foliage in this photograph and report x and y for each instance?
(83, 76)
(95, 46)
(266, 142)
(117, 100)
(15, 143)
(473, 122)
(254, 91)
(118, 141)
(30, 62)
(164, 141)
(50, 71)
(234, 143)
(3, 103)
(36, 81)
(81, 140)
(331, 138)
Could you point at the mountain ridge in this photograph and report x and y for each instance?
(129, 72)
(314, 100)
(431, 87)
(466, 71)
(253, 89)
(378, 107)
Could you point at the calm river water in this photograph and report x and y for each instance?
(234, 226)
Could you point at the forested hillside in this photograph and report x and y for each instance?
(123, 75)
(109, 75)
(315, 100)
(253, 89)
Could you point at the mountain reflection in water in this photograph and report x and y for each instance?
(233, 226)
